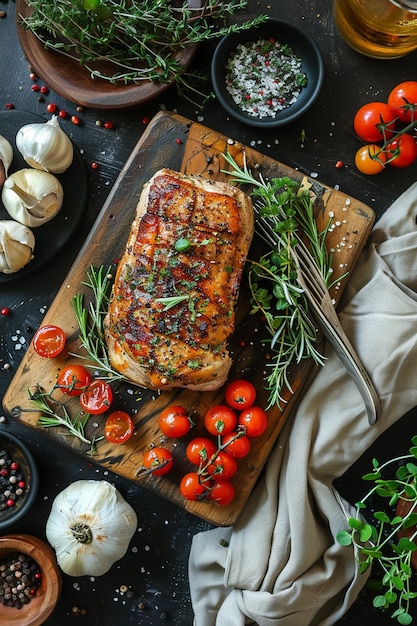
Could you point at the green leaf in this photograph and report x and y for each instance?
(371, 476)
(379, 602)
(404, 619)
(355, 523)
(344, 538)
(406, 545)
(366, 533)
(381, 516)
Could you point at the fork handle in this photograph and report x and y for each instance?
(345, 351)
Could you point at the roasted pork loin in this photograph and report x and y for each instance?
(173, 303)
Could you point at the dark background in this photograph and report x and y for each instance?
(155, 567)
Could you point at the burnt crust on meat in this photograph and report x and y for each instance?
(173, 302)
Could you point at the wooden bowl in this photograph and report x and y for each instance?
(40, 606)
(19, 453)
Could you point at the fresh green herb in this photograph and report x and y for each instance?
(140, 39)
(383, 540)
(54, 413)
(284, 208)
(91, 322)
(171, 301)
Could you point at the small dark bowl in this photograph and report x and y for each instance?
(303, 46)
(27, 467)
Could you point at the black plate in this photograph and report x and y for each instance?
(52, 236)
(304, 47)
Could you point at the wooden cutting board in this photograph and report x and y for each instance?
(175, 142)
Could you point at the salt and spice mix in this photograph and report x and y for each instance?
(264, 77)
(20, 578)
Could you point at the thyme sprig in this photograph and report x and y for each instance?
(140, 38)
(54, 413)
(286, 209)
(389, 539)
(91, 322)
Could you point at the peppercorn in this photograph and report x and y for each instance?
(20, 578)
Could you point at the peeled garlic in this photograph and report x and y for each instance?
(6, 158)
(17, 243)
(45, 146)
(90, 527)
(32, 197)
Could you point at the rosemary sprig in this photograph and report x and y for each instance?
(140, 38)
(275, 291)
(54, 413)
(91, 322)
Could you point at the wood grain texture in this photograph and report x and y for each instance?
(199, 153)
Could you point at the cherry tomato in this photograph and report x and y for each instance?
(370, 159)
(221, 492)
(97, 398)
(220, 420)
(223, 467)
(73, 379)
(237, 444)
(370, 120)
(403, 100)
(254, 421)
(200, 450)
(159, 460)
(174, 421)
(192, 488)
(402, 150)
(49, 340)
(119, 427)
(240, 394)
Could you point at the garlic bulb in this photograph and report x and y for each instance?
(17, 243)
(32, 197)
(45, 146)
(6, 158)
(90, 526)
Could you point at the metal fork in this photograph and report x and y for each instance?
(311, 280)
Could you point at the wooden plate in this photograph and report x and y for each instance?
(198, 151)
(72, 81)
(52, 236)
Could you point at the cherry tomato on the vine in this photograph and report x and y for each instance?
(402, 151)
(49, 341)
(403, 100)
(221, 492)
(370, 159)
(119, 427)
(223, 467)
(220, 420)
(254, 420)
(240, 394)
(192, 488)
(97, 398)
(374, 121)
(200, 450)
(158, 460)
(174, 421)
(73, 379)
(237, 444)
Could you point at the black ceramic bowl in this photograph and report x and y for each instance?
(17, 452)
(303, 46)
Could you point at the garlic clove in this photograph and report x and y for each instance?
(45, 146)
(17, 243)
(32, 197)
(6, 158)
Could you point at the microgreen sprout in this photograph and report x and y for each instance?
(391, 538)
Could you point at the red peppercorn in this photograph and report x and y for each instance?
(5, 311)
(178, 140)
(21, 484)
(145, 120)
(75, 120)
(38, 575)
(35, 88)
(14, 465)
(9, 106)
(63, 114)
(33, 76)
(108, 125)
(94, 166)
(51, 108)
(339, 164)
(4, 472)
(10, 502)
(44, 89)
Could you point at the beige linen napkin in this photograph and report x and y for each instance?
(283, 565)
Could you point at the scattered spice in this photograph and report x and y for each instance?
(20, 577)
(264, 77)
(12, 482)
